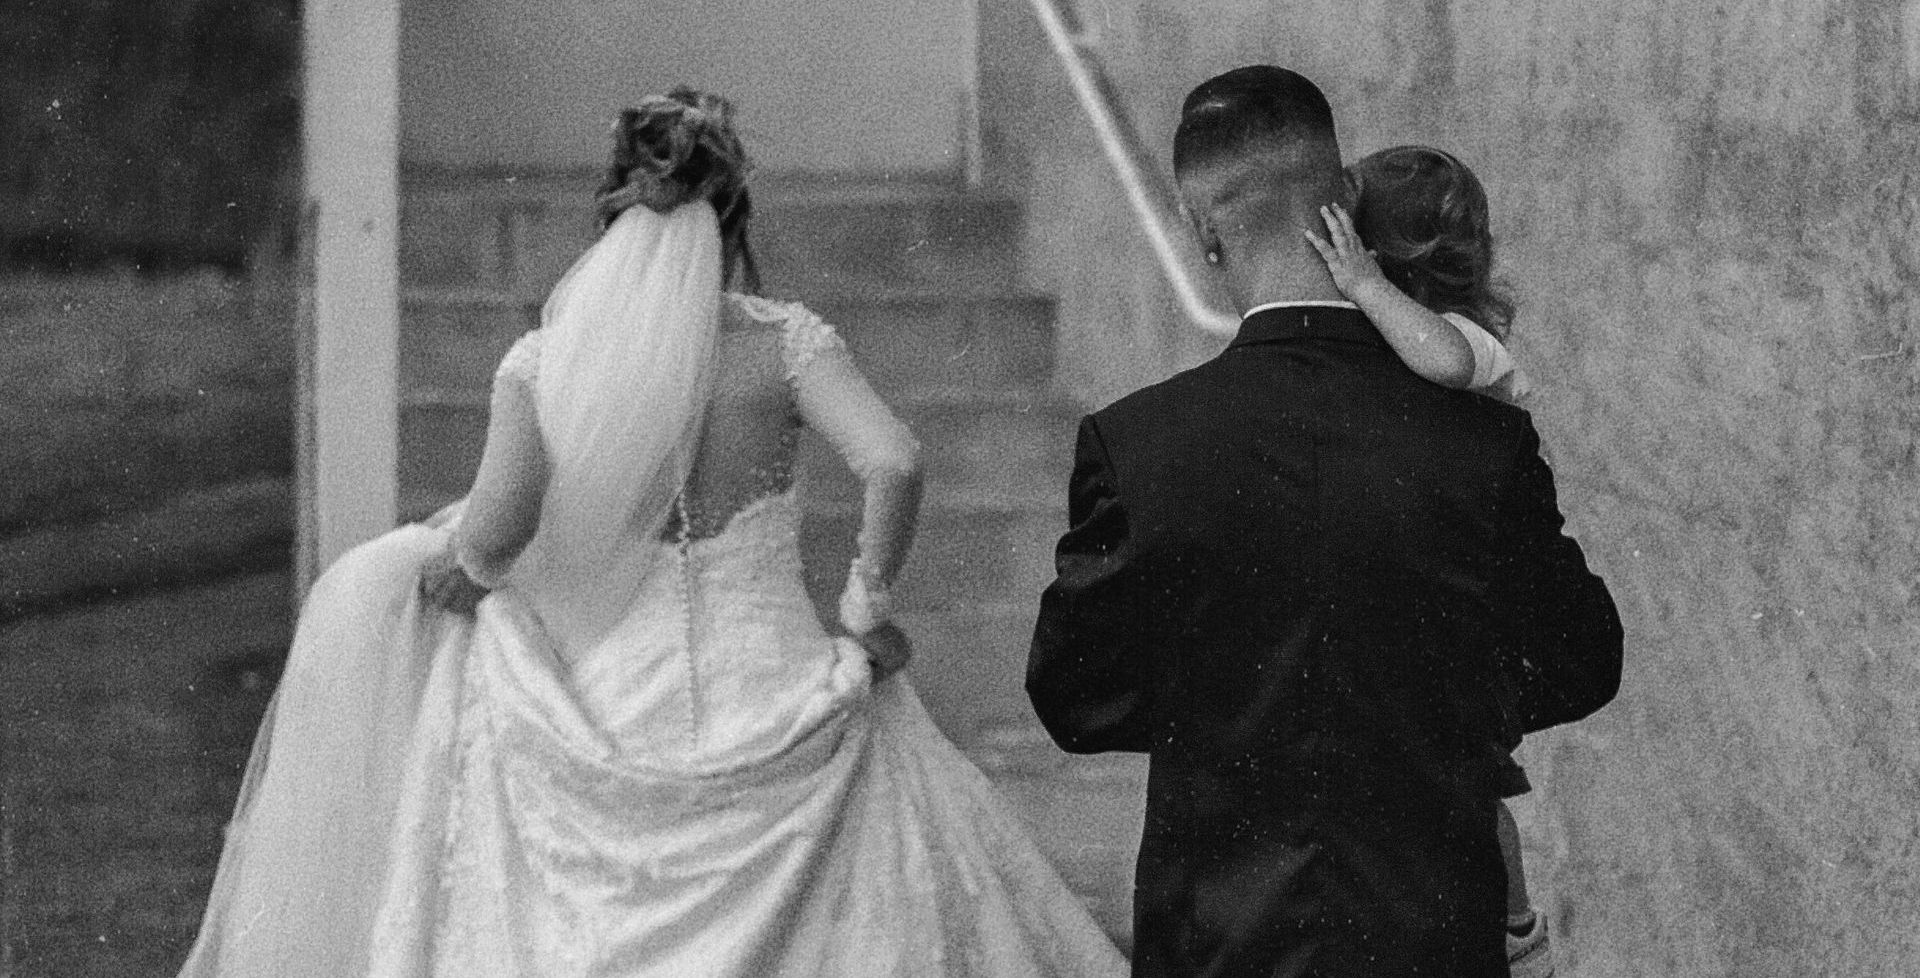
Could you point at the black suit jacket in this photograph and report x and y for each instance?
(1324, 595)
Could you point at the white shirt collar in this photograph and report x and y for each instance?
(1328, 303)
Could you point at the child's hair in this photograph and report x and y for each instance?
(677, 148)
(1424, 214)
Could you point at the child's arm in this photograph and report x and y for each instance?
(1429, 345)
(1494, 373)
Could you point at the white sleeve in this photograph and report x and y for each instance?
(1491, 362)
(502, 510)
(836, 400)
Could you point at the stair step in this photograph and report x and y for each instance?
(565, 189)
(440, 447)
(451, 239)
(1011, 453)
(440, 451)
(452, 338)
(1016, 453)
(815, 238)
(1089, 828)
(963, 560)
(815, 250)
(986, 342)
(1024, 399)
(453, 343)
(970, 669)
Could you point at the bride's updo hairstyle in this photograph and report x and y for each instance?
(677, 148)
(1424, 214)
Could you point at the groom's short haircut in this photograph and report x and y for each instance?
(1254, 111)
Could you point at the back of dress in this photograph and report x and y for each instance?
(776, 367)
(710, 652)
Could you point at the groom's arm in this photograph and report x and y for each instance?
(1088, 670)
(1564, 647)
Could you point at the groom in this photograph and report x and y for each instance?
(1323, 594)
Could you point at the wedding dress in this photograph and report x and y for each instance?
(643, 755)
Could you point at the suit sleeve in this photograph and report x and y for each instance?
(1089, 670)
(1564, 650)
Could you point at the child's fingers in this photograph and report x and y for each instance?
(1336, 242)
(1327, 252)
(1343, 234)
(1350, 238)
(1346, 223)
(1333, 227)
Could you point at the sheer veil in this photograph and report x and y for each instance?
(367, 705)
(626, 370)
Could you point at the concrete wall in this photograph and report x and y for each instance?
(1709, 214)
(824, 85)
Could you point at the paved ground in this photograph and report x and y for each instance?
(126, 724)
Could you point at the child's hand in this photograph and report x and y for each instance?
(1352, 265)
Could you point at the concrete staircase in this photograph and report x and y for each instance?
(920, 278)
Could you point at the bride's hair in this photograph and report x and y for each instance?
(677, 148)
(1424, 214)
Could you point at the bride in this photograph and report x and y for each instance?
(586, 723)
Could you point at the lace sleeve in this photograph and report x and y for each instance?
(503, 508)
(808, 337)
(804, 335)
(835, 399)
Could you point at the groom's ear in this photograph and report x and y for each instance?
(1202, 228)
(1209, 242)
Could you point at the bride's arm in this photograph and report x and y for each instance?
(503, 508)
(836, 400)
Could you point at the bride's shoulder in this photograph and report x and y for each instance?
(760, 310)
(805, 334)
(522, 361)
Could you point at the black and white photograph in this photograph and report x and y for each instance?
(959, 489)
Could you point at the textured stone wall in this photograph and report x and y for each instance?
(1709, 215)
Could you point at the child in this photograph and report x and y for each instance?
(1427, 287)
(1423, 215)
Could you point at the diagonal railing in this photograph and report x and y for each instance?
(1149, 193)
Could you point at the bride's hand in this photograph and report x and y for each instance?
(888, 649)
(1353, 266)
(445, 583)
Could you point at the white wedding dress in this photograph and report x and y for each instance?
(643, 756)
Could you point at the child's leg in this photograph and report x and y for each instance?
(1529, 950)
(1519, 903)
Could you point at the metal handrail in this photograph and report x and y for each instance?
(1148, 192)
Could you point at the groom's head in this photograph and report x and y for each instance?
(1256, 110)
(1255, 157)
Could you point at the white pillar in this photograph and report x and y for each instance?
(349, 390)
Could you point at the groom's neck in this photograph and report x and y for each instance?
(1282, 271)
(1254, 212)
(1265, 254)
